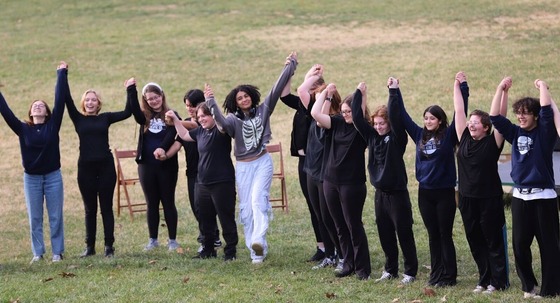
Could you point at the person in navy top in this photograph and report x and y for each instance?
(40, 154)
(96, 166)
(534, 205)
(436, 175)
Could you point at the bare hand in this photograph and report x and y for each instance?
(130, 82)
(208, 92)
(316, 70)
(291, 56)
(62, 65)
(362, 87)
(392, 82)
(170, 115)
(159, 154)
(540, 84)
(461, 77)
(331, 89)
(506, 83)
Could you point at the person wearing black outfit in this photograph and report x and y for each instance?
(298, 146)
(96, 167)
(344, 184)
(480, 189)
(157, 167)
(192, 98)
(387, 141)
(215, 188)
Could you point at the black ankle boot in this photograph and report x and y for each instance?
(109, 251)
(90, 251)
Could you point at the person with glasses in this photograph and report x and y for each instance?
(344, 181)
(387, 139)
(436, 175)
(40, 152)
(534, 205)
(157, 159)
(248, 123)
(96, 166)
(480, 189)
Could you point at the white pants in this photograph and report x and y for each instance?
(253, 185)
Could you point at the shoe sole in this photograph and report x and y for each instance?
(258, 248)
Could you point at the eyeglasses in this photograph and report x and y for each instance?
(473, 123)
(39, 105)
(345, 112)
(154, 98)
(91, 99)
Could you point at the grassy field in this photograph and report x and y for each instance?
(182, 45)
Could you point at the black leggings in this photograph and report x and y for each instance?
(303, 185)
(158, 183)
(98, 179)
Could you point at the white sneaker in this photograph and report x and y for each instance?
(489, 290)
(385, 276)
(36, 259)
(478, 289)
(200, 248)
(407, 279)
(325, 263)
(57, 258)
(532, 294)
(339, 266)
(257, 261)
(153, 243)
(172, 245)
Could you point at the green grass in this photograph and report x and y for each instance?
(182, 45)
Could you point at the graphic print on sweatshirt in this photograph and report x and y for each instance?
(524, 144)
(252, 132)
(430, 147)
(156, 125)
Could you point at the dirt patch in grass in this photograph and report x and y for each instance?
(357, 35)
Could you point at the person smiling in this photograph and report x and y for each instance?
(534, 206)
(480, 190)
(40, 153)
(96, 169)
(393, 211)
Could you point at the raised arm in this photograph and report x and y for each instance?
(132, 99)
(223, 124)
(502, 94)
(182, 131)
(458, 102)
(358, 106)
(289, 68)
(62, 93)
(323, 119)
(13, 122)
(545, 98)
(311, 78)
(556, 116)
(394, 109)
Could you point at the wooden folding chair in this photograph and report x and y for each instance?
(123, 182)
(276, 152)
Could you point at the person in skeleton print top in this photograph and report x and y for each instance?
(249, 124)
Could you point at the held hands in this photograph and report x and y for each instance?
(208, 92)
(331, 89)
(291, 56)
(362, 87)
(130, 82)
(316, 70)
(392, 82)
(461, 77)
(540, 84)
(62, 65)
(171, 116)
(506, 83)
(159, 154)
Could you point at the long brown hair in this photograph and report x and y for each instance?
(147, 110)
(29, 119)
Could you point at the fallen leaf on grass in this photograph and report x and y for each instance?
(395, 300)
(416, 301)
(73, 266)
(278, 289)
(47, 279)
(164, 268)
(444, 299)
(16, 300)
(330, 295)
(67, 274)
(429, 292)
(152, 262)
(180, 251)
(186, 279)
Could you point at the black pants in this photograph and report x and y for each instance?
(218, 199)
(530, 219)
(346, 205)
(97, 179)
(302, 176)
(437, 207)
(158, 183)
(393, 216)
(484, 222)
(324, 218)
(191, 184)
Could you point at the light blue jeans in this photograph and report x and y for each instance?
(253, 185)
(40, 188)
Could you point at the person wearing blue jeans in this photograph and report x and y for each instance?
(40, 152)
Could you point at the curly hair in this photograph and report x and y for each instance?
(230, 103)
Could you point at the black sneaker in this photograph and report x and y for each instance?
(229, 258)
(109, 251)
(90, 251)
(205, 255)
(318, 256)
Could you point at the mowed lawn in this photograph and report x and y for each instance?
(184, 44)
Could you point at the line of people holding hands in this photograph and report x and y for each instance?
(330, 137)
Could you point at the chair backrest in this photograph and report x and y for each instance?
(123, 154)
(277, 148)
(279, 191)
